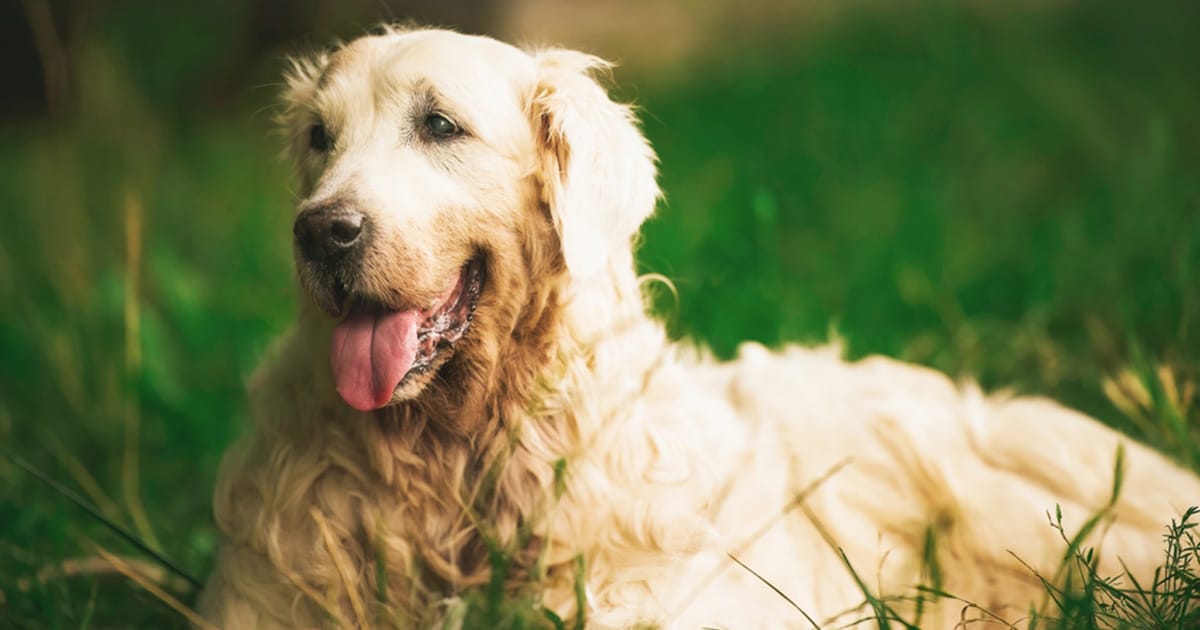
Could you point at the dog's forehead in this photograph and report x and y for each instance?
(465, 69)
(430, 50)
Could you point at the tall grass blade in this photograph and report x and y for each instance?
(580, 593)
(96, 514)
(163, 596)
(133, 368)
(84, 478)
(341, 565)
(776, 589)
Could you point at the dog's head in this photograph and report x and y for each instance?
(443, 177)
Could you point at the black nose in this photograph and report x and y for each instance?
(327, 233)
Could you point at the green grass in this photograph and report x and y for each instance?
(1013, 195)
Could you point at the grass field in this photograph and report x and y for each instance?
(1014, 196)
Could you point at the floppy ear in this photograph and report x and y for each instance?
(597, 168)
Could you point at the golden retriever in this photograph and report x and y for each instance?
(473, 368)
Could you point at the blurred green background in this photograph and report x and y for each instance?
(1004, 190)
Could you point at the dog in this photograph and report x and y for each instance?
(473, 369)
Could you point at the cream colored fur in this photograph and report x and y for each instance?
(673, 461)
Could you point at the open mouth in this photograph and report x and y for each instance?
(376, 349)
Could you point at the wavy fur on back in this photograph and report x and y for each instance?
(565, 424)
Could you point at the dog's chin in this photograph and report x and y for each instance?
(382, 354)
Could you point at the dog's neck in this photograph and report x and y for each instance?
(429, 494)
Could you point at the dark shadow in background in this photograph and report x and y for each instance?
(219, 42)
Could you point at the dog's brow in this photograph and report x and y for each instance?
(428, 100)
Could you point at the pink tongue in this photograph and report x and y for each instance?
(373, 350)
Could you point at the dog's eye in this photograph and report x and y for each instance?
(318, 138)
(441, 127)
